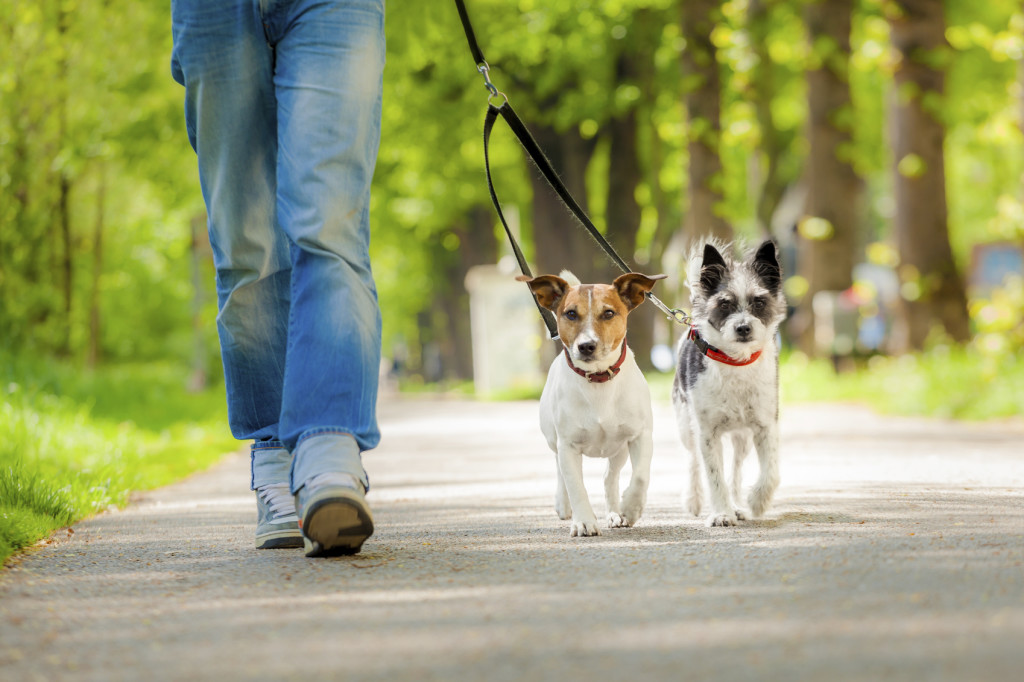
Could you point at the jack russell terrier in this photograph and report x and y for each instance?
(596, 401)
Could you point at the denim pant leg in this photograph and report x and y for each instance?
(329, 66)
(222, 58)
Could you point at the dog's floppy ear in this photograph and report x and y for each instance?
(712, 270)
(632, 286)
(547, 289)
(766, 265)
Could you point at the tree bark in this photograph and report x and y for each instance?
(702, 98)
(774, 142)
(828, 232)
(933, 291)
(559, 241)
(95, 342)
(64, 182)
(623, 212)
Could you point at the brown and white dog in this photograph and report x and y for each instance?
(596, 401)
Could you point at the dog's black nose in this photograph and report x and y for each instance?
(743, 330)
(587, 349)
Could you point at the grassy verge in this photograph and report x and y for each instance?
(950, 382)
(73, 442)
(947, 382)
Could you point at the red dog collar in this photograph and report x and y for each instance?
(715, 354)
(598, 377)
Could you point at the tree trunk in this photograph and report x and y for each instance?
(64, 182)
(200, 254)
(702, 98)
(94, 352)
(624, 176)
(774, 142)
(477, 246)
(828, 231)
(558, 239)
(932, 289)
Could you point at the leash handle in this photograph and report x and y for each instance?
(547, 315)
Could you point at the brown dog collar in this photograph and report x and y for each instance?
(598, 377)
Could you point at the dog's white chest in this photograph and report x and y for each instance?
(598, 420)
(598, 435)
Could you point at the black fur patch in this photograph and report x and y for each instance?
(721, 308)
(691, 363)
(766, 267)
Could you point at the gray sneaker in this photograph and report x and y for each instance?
(277, 525)
(333, 515)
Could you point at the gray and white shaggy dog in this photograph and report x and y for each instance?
(727, 381)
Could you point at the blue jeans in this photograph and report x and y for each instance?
(282, 105)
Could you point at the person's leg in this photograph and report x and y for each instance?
(329, 65)
(221, 57)
(330, 59)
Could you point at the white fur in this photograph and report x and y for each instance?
(724, 400)
(740, 402)
(612, 420)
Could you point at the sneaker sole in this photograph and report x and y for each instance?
(337, 525)
(280, 539)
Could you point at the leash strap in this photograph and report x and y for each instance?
(536, 154)
(547, 315)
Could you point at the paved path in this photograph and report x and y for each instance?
(895, 551)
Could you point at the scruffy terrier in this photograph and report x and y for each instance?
(727, 377)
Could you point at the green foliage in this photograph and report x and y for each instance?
(87, 103)
(947, 381)
(73, 441)
(92, 134)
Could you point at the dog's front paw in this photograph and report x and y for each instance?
(615, 521)
(584, 527)
(632, 506)
(564, 511)
(693, 504)
(721, 520)
(740, 514)
(630, 515)
(759, 499)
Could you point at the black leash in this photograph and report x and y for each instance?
(504, 110)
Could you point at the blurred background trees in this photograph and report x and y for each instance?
(879, 141)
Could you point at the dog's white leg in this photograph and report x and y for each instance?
(722, 513)
(562, 505)
(693, 499)
(635, 497)
(766, 442)
(740, 448)
(611, 488)
(693, 496)
(570, 466)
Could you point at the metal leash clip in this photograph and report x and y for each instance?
(485, 71)
(677, 315)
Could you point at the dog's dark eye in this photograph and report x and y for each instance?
(571, 315)
(608, 314)
(758, 304)
(726, 306)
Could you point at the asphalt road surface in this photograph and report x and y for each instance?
(894, 551)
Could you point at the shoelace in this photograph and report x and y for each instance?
(333, 478)
(278, 499)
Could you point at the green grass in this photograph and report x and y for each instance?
(74, 442)
(947, 382)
